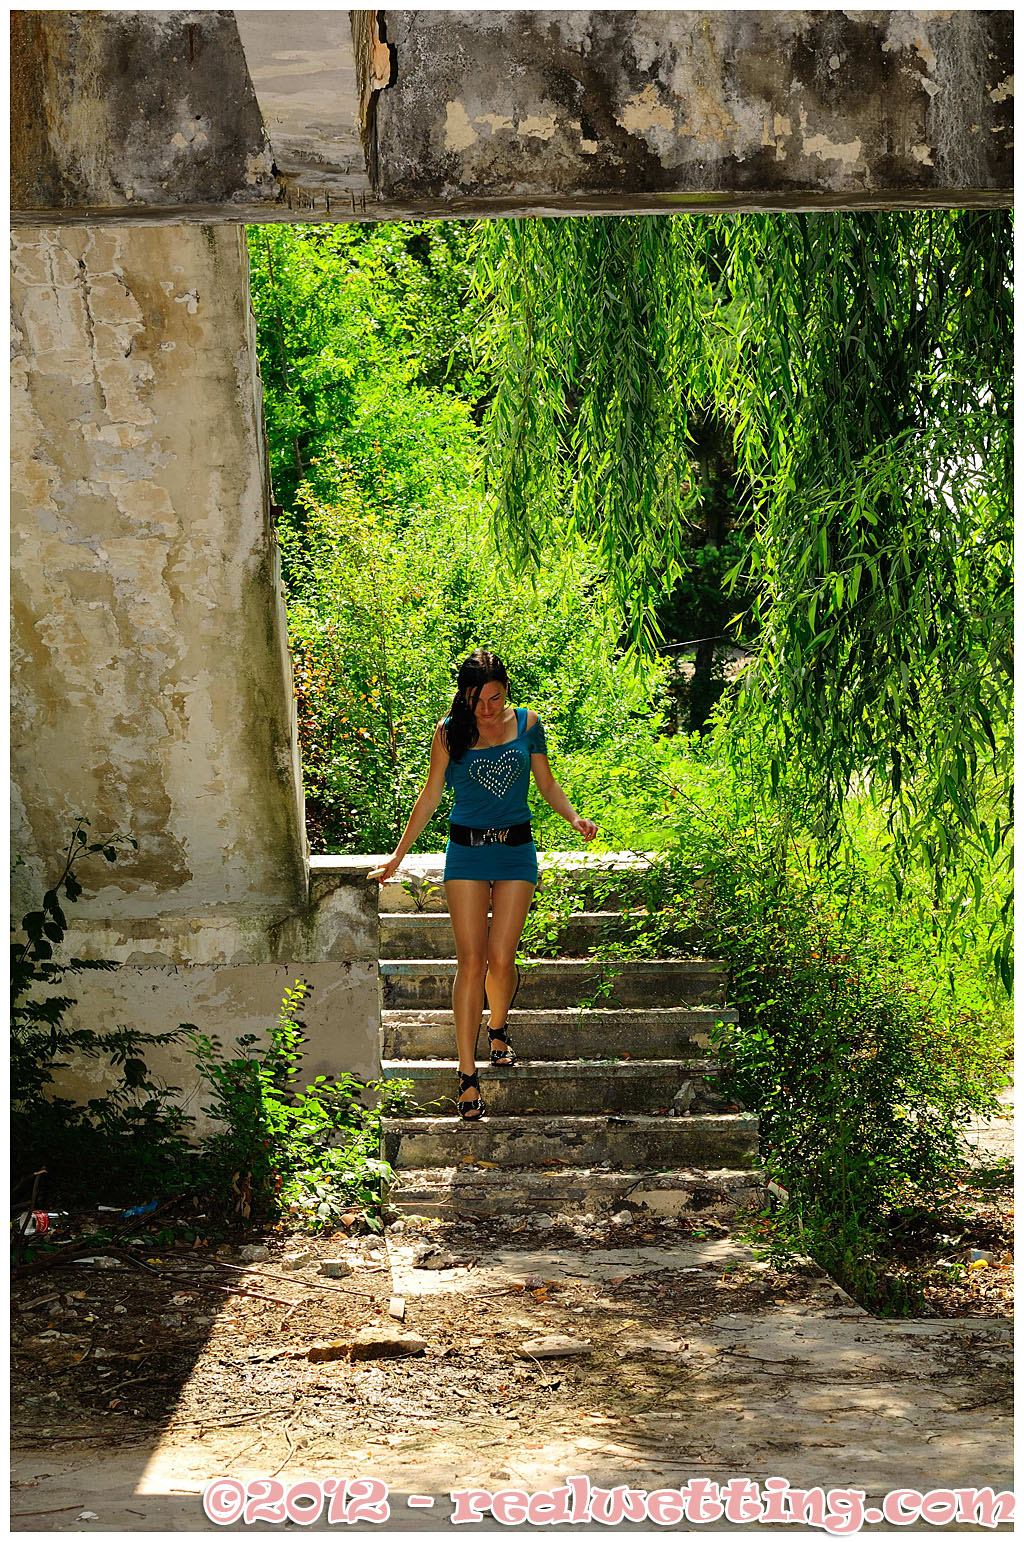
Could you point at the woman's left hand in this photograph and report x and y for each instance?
(585, 827)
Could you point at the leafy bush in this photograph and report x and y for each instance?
(314, 1152)
(134, 1134)
(864, 1043)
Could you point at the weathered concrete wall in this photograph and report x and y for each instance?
(152, 689)
(229, 980)
(569, 104)
(152, 683)
(120, 109)
(156, 115)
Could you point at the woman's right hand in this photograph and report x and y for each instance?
(382, 874)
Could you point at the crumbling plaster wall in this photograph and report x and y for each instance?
(152, 683)
(278, 115)
(759, 106)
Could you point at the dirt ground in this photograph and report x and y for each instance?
(133, 1386)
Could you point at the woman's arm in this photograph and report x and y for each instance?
(422, 810)
(553, 794)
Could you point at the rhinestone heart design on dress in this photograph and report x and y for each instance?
(497, 775)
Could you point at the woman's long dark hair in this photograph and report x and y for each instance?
(460, 732)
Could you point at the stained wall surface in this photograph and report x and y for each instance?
(333, 115)
(151, 676)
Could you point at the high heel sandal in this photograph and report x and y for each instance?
(470, 1108)
(505, 1057)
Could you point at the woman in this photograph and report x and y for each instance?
(485, 749)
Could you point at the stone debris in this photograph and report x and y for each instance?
(335, 1268)
(429, 1256)
(296, 1260)
(554, 1346)
(652, 1344)
(368, 1344)
(396, 1308)
(254, 1253)
(622, 1218)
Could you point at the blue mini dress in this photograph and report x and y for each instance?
(490, 787)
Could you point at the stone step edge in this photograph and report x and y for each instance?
(442, 1016)
(469, 1189)
(499, 1123)
(527, 1068)
(725, 1178)
(707, 965)
(437, 916)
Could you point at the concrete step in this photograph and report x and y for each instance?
(530, 1191)
(568, 982)
(419, 882)
(567, 1086)
(422, 1033)
(430, 936)
(632, 1142)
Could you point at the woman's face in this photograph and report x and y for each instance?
(490, 704)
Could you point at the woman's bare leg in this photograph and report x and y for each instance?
(510, 902)
(468, 900)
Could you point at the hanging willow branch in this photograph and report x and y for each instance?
(863, 365)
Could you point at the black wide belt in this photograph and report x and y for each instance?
(511, 835)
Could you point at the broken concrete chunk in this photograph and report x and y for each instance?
(554, 1346)
(382, 1343)
(429, 1256)
(396, 1308)
(622, 1218)
(368, 1344)
(335, 1268)
(254, 1253)
(296, 1260)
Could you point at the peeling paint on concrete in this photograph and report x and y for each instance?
(495, 121)
(679, 104)
(148, 693)
(459, 133)
(538, 126)
(828, 150)
(643, 112)
(507, 111)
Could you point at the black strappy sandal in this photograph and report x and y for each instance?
(504, 1058)
(470, 1109)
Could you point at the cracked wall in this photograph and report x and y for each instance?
(277, 115)
(525, 105)
(152, 682)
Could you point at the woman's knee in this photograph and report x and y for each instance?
(472, 965)
(501, 959)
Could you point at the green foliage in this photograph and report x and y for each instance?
(860, 365)
(134, 1134)
(364, 335)
(381, 612)
(312, 1152)
(865, 1042)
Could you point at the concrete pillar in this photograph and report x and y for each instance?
(152, 682)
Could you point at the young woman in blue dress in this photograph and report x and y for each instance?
(486, 750)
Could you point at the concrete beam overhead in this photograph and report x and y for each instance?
(249, 116)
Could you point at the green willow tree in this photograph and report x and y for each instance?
(862, 366)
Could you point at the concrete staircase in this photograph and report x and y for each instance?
(615, 1100)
